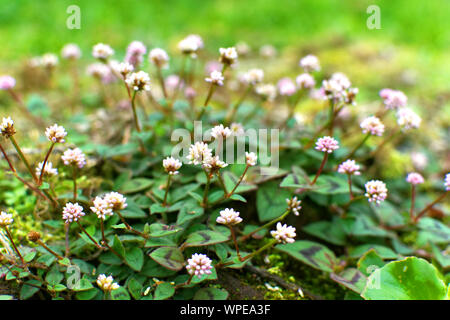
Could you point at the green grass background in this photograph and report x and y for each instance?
(31, 27)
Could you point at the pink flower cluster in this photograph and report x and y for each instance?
(376, 191)
(198, 265)
(327, 144)
(349, 167)
(72, 212)
(393, 99)
(414, 178)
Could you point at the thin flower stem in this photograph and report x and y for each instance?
(413, 200)
(349, 178)
(268, 245)
(89, 236)
(205, 193)
(188, 282)
(428, 207)
(322, 165)
(67, 240)
(161, 81)
(268, 224)
(7, 159)
(356, 148)
(221, 182)
(49, 250)
(22, 157)
(45, 162)
(233, 236)
(130, 228)
(105, 241)
(75, 193)
(135, 117)
(14, 245)
(238, 183)
(169, 179)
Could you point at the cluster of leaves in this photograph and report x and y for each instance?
(360, 245)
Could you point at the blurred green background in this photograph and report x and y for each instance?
(31, 27)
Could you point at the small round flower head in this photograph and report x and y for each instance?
(237, 129)
(72, 212)
(116, 200)
(97, 70)
(228, 56)
(49, 60)
(253, 76)
(190, 45)
(349, 167)
(159, 58)
(408, 119)
(242, 48)
(220, 132)
(56, 134)
(213, 164)
(7, 127)
(102, 208)
(229, 217)
(199, 152)
(284, 233)
(372, 125)
(268, 51)
(286, 87)
(102, 51)
(171, 165)
(447, 182)
(190, 93)
(139, 81)
(172, 82)
(7, 82)
(135, 53)
(107, 284)
(74, 157)
(327, 144)
(332, 90)
(198, 265)
(266, 91)
(414, 178)
(341, 79)
(376, 191)
(216, 78)
(124, 68)
(251, 159)
(71, 51)
(34, 236)
(305, 81)
(49, 170)
(350, 95)
(294, 205)
(5, 219)
(310, 63)
(394, 99)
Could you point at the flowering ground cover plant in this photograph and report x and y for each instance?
(116, 194)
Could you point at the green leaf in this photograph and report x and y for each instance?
(296, 181)
(312, 253)
(135, 288)
(152, 269)
(28, 291)
(54, 277)
(238, 197)
(408, 279)
(83, 285)
(164, 291)
(118, 246)
(211, 294)
(382, 251)
(169, 257)
(328, 184)
(136, 185)
(369, 262)
(442, 257)
(89, 294)
(6, 297)
(351, 278)
(120, 294)
(271, 201)
(135, 258)
(230, 181)
(182, 192)
(133, 210)
(331, 232)
(162, 230)
(205, 238)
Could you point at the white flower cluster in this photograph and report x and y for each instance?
(228, 56)
(138, 81)
(107, 284)
(102, 51)
(123, 68)
(251, 159)
(7, 127)
(338, 88)
(74, 157)
(49, 60)
(294, 205)
(229, 217)
(376, 191)
(71, 51)
(102, 208)
(215, 78)
(267, 91)
(372, 125)
(408, 119)
(198, 265)
(198, 153)
(72, 212)
(159, 58)
(171, 165)
(56, 134)
(116, 200)
(284, 233)
(5, 219)
(447, 182)
(49, 170)
(253, 76)
(305, 81)
(310, 63)
(191, 45)
(220, 131)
